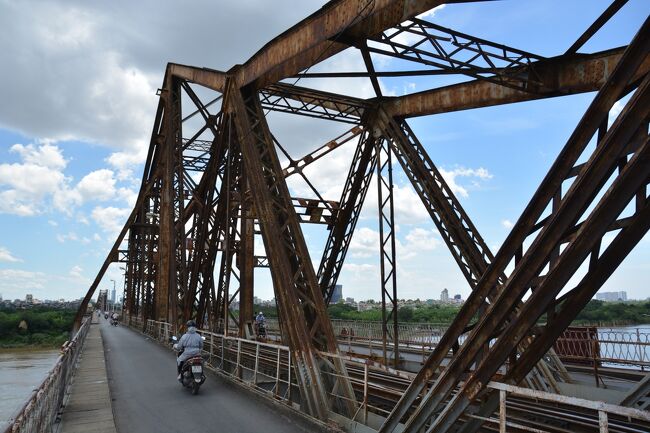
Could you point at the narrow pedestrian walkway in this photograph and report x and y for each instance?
(88, 408)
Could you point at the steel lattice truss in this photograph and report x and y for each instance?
(208, 191)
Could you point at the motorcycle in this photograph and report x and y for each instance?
(192, 370)
(261, 331)
(113, 322)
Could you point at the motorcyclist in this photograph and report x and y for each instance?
(260, 323)
(260, 318)
(189, 346)
(114, 316)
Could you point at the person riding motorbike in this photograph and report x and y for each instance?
(189, 345)
(260, 325)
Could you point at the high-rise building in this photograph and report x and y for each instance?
(612, 296)
(113, 296)
(444, 295)
(29, 299)
(338, 293)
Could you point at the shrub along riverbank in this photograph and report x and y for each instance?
(35, 327)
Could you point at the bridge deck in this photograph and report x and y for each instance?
(147, 398)
(88, 410)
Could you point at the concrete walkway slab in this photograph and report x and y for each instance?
(89, 407)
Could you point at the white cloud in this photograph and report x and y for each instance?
(6, 256)
(98, 185)
(616, 109)
(364, 243)
(408, 205)
(358, 270)
(431, 12)
(110, 219)
(507, 224)
(47, 155)
(26, 185)
(76, 271)
(52, 223)
(418, 240)
(38, 184)
(16, 279)
(451, 176)
(128, 195)
(124, 162)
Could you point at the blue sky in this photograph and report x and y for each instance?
(79, 85)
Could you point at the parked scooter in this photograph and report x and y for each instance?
(191, 371)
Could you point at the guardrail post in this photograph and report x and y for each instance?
(257, 360)
(223, 353)
(603, 423)
(594, 346)
(640, 348)
(365, 393)
(277, 374)
(289, 375)
(211, 348)
(238, 358)
(502, 411)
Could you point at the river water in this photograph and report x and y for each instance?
(21, 372)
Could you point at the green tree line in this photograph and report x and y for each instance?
(45, 327)
(596, 312)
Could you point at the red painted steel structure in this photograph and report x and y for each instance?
(208, 190)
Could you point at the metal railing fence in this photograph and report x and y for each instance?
(40, 411)
(596, 346)
(267, 369)
(589, 415)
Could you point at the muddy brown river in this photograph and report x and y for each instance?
(21, 371)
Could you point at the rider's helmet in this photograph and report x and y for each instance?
(261, 314)
(191, 323)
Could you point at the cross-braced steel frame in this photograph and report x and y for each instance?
(213, 181)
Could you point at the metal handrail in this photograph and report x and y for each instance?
(267, 369)
(41, 409)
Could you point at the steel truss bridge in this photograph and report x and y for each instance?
(213, 181)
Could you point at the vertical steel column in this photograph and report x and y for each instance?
(354, 193)
(300, 300)
(166, 290)
(388, 263)
(246, 260)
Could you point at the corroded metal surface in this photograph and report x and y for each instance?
(209, 190)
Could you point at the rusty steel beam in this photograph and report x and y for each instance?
(560, 76)
(298, 165)
(300, 301)
(181, 228)
(596, 25)
(293, 99)
(442, 48)
(314, 39)
(206, 77)
(612, 91)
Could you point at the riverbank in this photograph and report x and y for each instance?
(35, 328)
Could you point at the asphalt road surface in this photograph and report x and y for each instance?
(148, 398)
